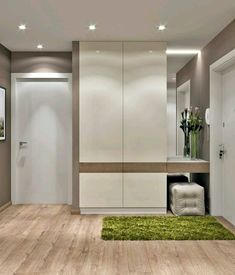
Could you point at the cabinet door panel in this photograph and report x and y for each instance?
(145, 190)
(100, 101)
(145, 99)
(101, 190)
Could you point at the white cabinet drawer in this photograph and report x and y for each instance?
(101, 190)
(145, 190)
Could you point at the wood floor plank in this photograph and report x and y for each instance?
(48, 240)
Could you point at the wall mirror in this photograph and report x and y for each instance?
(182, 102)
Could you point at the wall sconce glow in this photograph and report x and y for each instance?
(40, 46)
(161, 27)
(183, 52)
(92, 27)
(22, 27)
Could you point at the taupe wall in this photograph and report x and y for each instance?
(197, 70)
(32, 62)
(5, 146)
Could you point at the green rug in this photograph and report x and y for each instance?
(164, 228)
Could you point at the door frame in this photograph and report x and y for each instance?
(15, 77)
(216, 173)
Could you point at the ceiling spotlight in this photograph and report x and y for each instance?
(40, 46)
(150, 51)
(92, 27)
(22, 27)
(161, 27)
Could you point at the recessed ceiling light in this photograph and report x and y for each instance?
(150, 51)
(22, 27)
(161, 27)
(40, 46)
(97, 51)
(92, 27)
(182, 51)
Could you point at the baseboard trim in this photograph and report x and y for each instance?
(74, 211)
(124, 211)
(227, 224)
(5, 206)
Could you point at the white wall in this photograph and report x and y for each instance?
(171, 119)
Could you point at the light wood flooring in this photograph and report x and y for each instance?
(41, 239)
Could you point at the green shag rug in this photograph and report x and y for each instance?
(164, 228)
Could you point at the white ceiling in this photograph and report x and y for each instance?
(55, 23)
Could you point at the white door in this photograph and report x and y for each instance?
(228, 135)
(43, 143)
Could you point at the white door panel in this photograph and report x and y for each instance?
(228, 80)
(44, 121)
(145, 101)
(100, 190)
(145, 190)
(100, 101)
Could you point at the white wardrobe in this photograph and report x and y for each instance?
(123, 100)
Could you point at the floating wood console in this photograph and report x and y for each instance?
(172, 165)
(177, 165)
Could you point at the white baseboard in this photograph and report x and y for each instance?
(123, 211)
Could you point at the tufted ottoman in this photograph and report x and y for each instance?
(187, 199)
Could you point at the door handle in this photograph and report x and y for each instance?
(221, 151)
(22, 143)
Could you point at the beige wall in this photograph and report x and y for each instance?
(31, 62)
(5, 146)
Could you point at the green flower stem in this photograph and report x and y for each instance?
(194, 144)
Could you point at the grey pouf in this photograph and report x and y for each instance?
(187, 199)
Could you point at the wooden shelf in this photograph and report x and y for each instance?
(186, 165)
(172, 165)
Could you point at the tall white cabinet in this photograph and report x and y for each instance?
(101, 101)
(101, 121)
(145, 99)
(122, 119)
